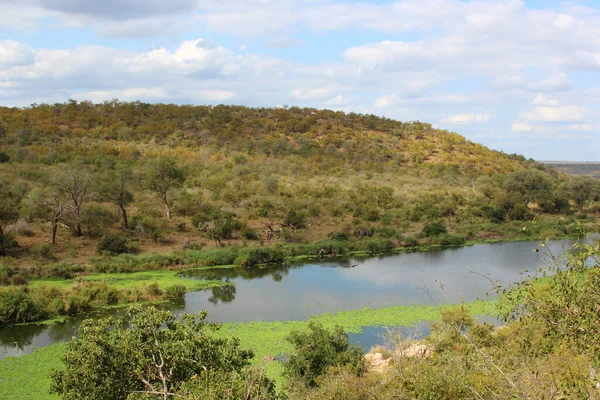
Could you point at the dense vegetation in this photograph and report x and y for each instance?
(547, 349)
(118, 187)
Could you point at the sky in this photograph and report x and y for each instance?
(518, 76)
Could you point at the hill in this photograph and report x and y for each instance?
(246, 175)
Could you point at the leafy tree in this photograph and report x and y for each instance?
(115, 187)
(530, 184)
(9, 212)
(317, 349)
(580, 189)
(95, 218)
(149, 353)
(164, 175)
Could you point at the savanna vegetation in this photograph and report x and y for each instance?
(548, 348)
(117, 187)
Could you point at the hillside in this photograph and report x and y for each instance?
(258, 175)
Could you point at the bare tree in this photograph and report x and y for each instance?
(75, 183)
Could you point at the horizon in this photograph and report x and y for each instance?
(516, 76)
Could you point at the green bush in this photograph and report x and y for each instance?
(112, 244)
(434, 228)
(249, 233)
(317, 349)
(519, 212)
(259, 255)
(175, 293)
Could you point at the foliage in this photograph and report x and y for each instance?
(115, 357)
(434, 228)
(113, 244)
(317, 349)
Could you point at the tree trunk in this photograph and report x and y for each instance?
(78, 231)
(54, 229)
(124, 214)
(167, 209)
(2, 245)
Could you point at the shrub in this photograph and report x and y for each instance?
(112, 244)
(43, 252)
(175, 293)
(317, 349)
(249, 233)
(293, 217)
(519, 212)
(434, 228)
(259, 255)
(131, 346)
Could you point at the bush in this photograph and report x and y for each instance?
(450, 240)
(434, 228)
(259, 255)
(298, 219)
(317, 349)
(131, 346)
(147, 226)
(249, 233)
(113, 244)
(43, 252)
(175, 293)
(519, 212)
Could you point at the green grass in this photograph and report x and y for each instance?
(26, 377)
(164, 279)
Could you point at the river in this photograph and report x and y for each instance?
(294, 292)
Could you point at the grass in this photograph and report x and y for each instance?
(164, 279)
(26, 377)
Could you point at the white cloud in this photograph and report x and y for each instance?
(582, 127)
(386, 101)
(311, 94)
(13, 53)
(542, 100)
(521, 127)
(467, 119)
(555, 114)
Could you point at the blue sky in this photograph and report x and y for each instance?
(518, 76)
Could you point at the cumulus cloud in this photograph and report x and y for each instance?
(467, 119)
(13, 53)
(386, 101)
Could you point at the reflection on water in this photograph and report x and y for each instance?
(297, 291)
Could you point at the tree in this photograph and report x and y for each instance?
(580, 189)
(164, 175)
(115, 188)
(46, 207)
(9, 212)
(149, 353)
(318, 349)
(74, 182)
(530, 184)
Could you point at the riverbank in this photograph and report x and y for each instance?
(161, 277)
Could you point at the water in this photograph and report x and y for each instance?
(293, 293)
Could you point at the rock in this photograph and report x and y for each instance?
(416, 350)
(376, 362)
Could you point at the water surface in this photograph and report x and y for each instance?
(295, 292)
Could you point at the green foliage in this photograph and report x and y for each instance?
(295, 218)
(113, 244)
(148, 350)
(317, 349)
(434, 228)
(259, 255)
(519, 212)
(175, 293)
(9, 212)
